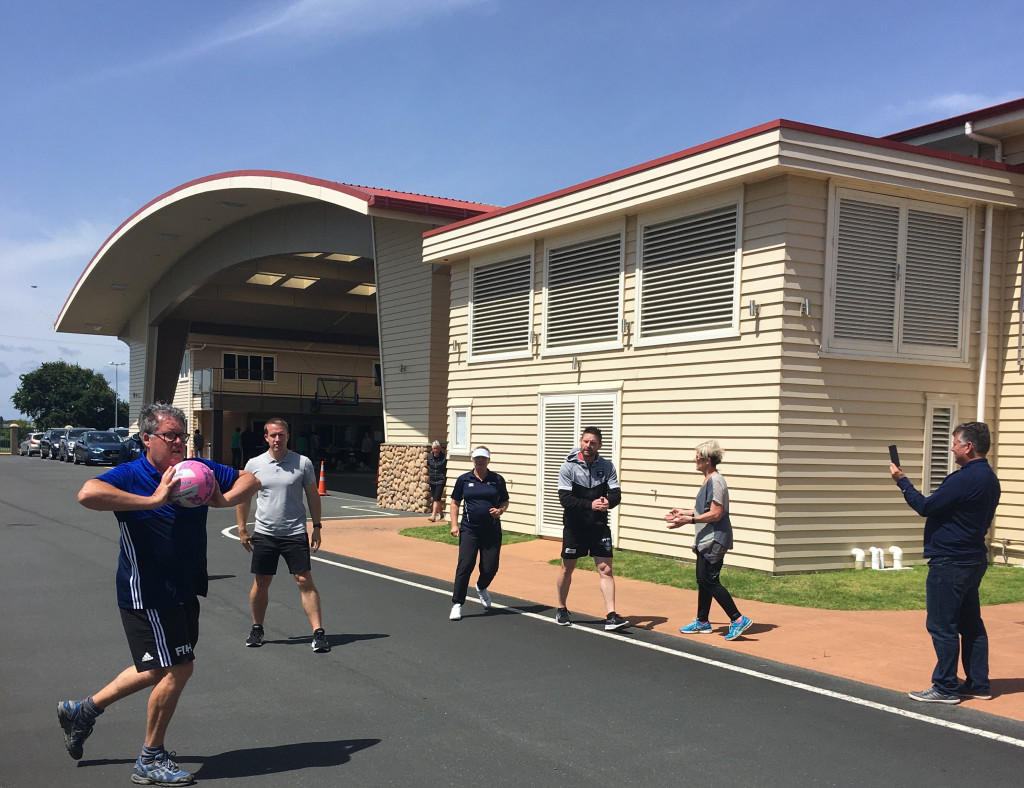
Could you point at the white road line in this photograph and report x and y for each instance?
(954, 726)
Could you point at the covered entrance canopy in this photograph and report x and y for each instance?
(275, 282)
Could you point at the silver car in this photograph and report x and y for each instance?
(30, 445)
(66, 447)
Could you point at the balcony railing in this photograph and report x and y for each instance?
(306, 390)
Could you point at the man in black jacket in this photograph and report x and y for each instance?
(588, 487)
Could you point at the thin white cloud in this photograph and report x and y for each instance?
(68, 352)
(302, 20)
(947, 105)
(29, 259)
(5, 371)
(19, 349)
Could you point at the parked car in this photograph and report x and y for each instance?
(66, 448)
(123, 432)
(96, 446)
(48, 444)
(30, 445)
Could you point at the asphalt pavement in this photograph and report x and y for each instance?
(408, 698)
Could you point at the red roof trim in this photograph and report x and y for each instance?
(721, 142)
(404, 202)
(999, 109)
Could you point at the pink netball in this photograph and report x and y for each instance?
(196, 484)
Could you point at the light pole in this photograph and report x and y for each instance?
(115, 365)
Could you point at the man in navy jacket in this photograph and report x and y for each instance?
(958, 515)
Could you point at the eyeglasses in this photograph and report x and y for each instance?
(171, 437)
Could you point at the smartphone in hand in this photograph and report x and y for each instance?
(894, 456)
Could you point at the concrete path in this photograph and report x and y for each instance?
(891, 650)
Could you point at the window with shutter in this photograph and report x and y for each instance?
(687, 275)
(500, 309)
(898, 278)
(458, 430)
(583, 295)
(562, 418)
(938, 459)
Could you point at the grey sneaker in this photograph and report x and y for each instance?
(76, 728)
(162, 771)
(320, 642)
(562, 617)
(934, 695)
(485, 598)
(255, 639)
(614, 622)
(965, 690)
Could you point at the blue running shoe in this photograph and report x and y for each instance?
(76, 728)
(738, 627)
(162, 771)
(698, 627)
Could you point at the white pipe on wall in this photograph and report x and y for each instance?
(897, 557)
(858, 558)
(986, 278)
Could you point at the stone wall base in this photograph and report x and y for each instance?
(404, 482)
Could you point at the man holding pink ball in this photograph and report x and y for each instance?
(161, 573)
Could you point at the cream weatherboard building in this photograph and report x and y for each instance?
(805, 296)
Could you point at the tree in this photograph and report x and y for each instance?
(59, 393)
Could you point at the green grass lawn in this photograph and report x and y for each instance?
(442, 533)
(845, 590)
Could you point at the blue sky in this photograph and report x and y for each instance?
(104, 106)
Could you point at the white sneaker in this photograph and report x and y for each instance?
(456, 614)
(485, 598)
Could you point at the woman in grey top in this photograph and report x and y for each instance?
(712, 539)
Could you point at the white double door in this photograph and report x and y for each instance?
(562, 419)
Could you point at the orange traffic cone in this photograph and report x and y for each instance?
(322, 489)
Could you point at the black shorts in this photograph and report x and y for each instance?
(267, 549)
(436, 492)
(161, 637)
(579, 543)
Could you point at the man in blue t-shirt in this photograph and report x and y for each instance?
(958, 514)
(161, 571)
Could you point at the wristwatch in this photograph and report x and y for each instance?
(318, 525)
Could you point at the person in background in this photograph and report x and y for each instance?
(236, 448)
(712, 540)
(437, 469)
(958, 515)
(199, 442)
(479, 531)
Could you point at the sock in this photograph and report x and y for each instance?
(90, 710)
(150, 754)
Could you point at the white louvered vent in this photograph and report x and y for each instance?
(558, 438)
(868, 253)
(939, 462)
(500, 308)
(584, 293)
(934, 279)
(688, 269)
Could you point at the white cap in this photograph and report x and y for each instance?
(481, 452)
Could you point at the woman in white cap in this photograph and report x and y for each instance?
(437, 468)
(479, 531)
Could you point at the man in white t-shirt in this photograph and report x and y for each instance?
(280, 529)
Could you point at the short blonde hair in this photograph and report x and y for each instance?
(710, 450)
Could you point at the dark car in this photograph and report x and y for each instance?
(66, 447)
(96, 446)
(30, 445)
(123, 432)
(48, 444)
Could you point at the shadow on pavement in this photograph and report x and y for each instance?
(275, 760)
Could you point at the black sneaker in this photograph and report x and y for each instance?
(320, 642)
(965, 690)
(614, 622)
(255, 639)
(562, 617)
(76, 728)
(934, 695)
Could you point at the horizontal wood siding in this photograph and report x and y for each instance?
(404, 302)
(673, 397)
